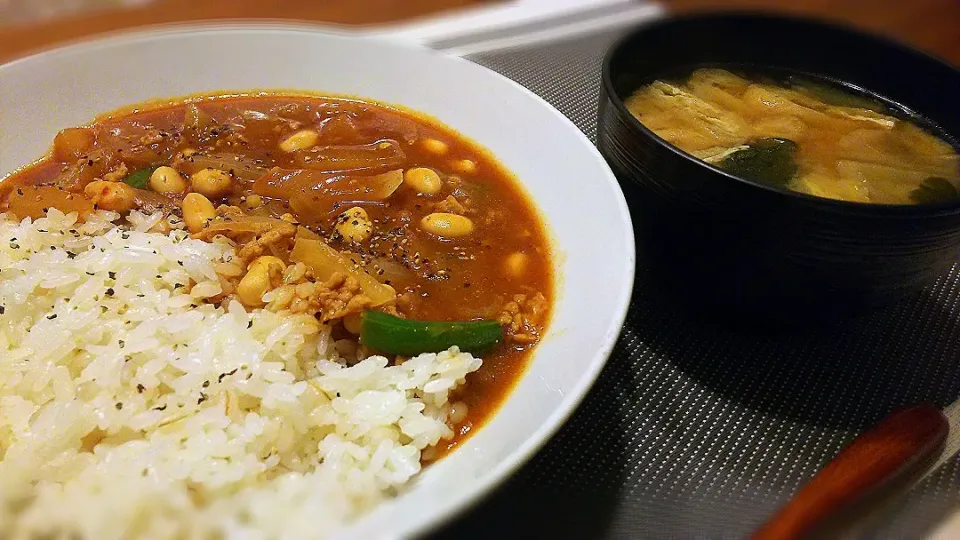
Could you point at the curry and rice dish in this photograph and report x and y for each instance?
(803, 135)
(252, 315)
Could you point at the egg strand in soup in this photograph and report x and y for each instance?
(802, 136)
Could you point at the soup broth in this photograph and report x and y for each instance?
(802, 135)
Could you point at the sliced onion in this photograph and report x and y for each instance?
(324, 261)
(374, 157)
(195, 118)
(313, 194)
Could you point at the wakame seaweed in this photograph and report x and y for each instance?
(770, 161)
(935, 190)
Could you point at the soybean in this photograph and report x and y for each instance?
(447, 225)
(423, 180)
(167, 180)
(197, 211)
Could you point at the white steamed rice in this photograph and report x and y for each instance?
(211, 422)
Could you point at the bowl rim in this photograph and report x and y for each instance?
(538, 438)
(718, 16)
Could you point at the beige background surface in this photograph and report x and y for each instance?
(26, 25)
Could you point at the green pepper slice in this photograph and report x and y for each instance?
(140, 177)
(393, 335)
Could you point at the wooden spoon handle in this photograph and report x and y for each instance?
(874, 458)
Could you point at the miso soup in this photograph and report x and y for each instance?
(802, 135)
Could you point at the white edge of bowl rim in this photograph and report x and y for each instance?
(497, 475)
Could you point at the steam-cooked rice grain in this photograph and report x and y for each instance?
(130, 408)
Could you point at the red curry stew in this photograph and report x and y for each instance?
(364, 215)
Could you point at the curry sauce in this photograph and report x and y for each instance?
(424, 224)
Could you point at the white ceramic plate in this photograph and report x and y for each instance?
(566, 176)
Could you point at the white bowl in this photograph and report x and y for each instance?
(566, 176)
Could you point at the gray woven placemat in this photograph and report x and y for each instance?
(698, 432)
